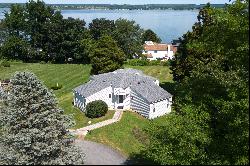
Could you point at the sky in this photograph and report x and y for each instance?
(123, 1)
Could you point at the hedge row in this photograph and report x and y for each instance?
(145, 62)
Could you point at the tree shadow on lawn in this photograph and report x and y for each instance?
(139, 159)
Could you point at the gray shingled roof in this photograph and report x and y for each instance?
(123, 78)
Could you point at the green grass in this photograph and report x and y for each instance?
(160, 72)
(118, 135)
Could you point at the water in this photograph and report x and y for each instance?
(167, 24)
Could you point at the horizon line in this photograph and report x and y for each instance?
(119, 4)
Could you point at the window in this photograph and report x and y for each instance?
(155, 51)
(109, 95)
(154, 110)
(132, 97)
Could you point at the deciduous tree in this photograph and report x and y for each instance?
(149, 35)
(128, 35)
(211, 119)
(102, 26)
(106, 56)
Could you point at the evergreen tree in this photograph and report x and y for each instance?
(34, 130)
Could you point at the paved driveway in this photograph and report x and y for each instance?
(99, 154)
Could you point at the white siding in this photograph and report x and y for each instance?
(160, 54)
(139, 105)
(102, 95)
(127, 99)
(79, 101)
(160, 108)
(132, 101)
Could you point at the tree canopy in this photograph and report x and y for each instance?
(149, 35)
(38, 33)
(102, 26)
(106, 56)
(210, 121)
(128, 35)
(35, 32)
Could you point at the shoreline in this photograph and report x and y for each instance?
(119, 9)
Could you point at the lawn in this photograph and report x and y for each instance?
(160, 72)
(119, 135)
(68, 75)
(122, 136)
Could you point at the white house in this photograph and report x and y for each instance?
(125, 89)
(155, 51)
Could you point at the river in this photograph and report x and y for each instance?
(167, 24)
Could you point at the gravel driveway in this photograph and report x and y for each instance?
(99, 154)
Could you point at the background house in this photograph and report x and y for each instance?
(162, 51)
(125, 89)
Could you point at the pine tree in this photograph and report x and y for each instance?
(33, 129)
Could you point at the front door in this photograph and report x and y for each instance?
(120, 103)
(120, 99)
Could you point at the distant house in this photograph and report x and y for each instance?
(125, 89)
(162, 51)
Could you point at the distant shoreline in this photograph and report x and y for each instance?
(122, 7)
(127, 9)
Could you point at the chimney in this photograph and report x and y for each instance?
(168, 50)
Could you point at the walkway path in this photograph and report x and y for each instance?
(83, 131)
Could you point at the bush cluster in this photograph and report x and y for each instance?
(96, 109)
(145, 62)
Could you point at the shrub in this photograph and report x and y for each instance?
(96, 109)
(154, 63)
(145, 62)
(42, 62)
(138, 62)
(165, 63)
(4, 63)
